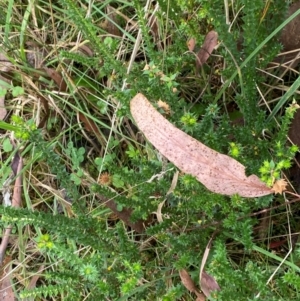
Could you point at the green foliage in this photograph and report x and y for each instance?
(75, 167)
(189, 122)
(15, 90)
(45, 151)
(77, 157)
(24, 128)
(79, 58)
(235, 149)
(7, 146)
(76, 15)
(42, 292)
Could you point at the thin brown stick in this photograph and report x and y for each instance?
(16, 202)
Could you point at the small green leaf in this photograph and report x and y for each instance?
(5, 171)
(81, 151)
(2, 92)
(108, 41)
(80, 173)
(5, 84)
(133, 153)
(117, 181)
(99, 161)
(17, 91)
(75, 179)
(119, 207)
(7, 146)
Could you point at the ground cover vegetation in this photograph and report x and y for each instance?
(91, 210)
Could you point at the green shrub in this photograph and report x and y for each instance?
(90, 156)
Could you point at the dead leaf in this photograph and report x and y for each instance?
(277, 244)
(190, 285)
(89, 124)
(110, 23)
(4, 242)
(3, 110)
(47, 111)
(5, 63)
(289, 36)
(57, 78)
(86, 50)
(208, 284)
(191, 43)
(294, 130)
(124, 215)
(218, 172)
(15, 163)
(210, 42)
(16, 202)
(17, 199)
(6, 289)
(164, 106)
(187, 281)
(35, 278)
(279, 186)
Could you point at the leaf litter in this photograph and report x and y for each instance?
(210, 42)
(217, 172)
